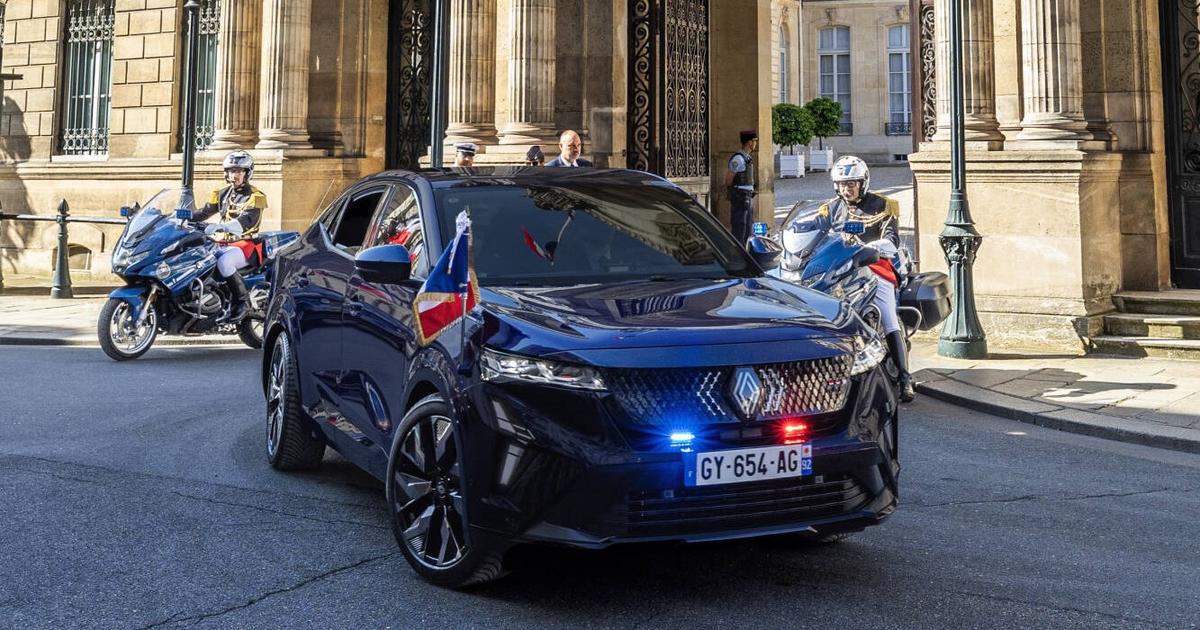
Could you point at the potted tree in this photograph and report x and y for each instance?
(790, 125)
(827, 121)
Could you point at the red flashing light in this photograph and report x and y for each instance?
(793, 432)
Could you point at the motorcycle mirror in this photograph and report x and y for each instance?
(125, 211)
(183, 214)
(760, 228)
(854, 227)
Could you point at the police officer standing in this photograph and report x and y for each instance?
(739, 181)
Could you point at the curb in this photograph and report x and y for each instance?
(1066, 419)
(17, 340)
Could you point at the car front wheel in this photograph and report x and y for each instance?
(425, 495)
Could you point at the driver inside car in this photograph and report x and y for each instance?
(240, 207)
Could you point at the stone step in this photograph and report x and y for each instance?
(1157, 347)
(1161, 326)
(1173, 302)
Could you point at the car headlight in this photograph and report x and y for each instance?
(868, 356)
(497, 366)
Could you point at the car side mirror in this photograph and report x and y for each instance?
(866, 256)
(384, 264)
(764, 251)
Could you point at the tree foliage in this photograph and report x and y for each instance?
(827, 117)
(790, 125)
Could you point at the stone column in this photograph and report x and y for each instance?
(1052, 71)
(238, 60)
(472, 71)
(979, 72)
(283, 117)
(530, 73)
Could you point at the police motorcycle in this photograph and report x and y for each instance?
(172, 285)
(825, 255)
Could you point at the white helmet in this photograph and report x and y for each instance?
(849, 169)
(238, 159)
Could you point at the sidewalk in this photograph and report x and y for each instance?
(1143, 401)
(41, 321)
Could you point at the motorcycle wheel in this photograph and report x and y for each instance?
(250, 331)
(120, 337)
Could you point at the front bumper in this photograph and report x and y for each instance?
(567, 472)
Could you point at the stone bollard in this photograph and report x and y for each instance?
(61, 287)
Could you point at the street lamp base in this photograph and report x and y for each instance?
(963, 348)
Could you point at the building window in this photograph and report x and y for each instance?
(899, 82)
(206, 73)
(88, 77)
(833, 54)
(784, 67)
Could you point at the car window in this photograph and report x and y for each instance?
(329, 215)
(400, 223)
(540, 235)
(352, 227)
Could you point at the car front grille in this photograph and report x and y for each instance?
(664, 397)
(761, 504)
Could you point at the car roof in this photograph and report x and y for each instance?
(522, 175)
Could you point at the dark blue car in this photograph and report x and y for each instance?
(630, 375)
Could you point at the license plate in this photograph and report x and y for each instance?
(748, 464)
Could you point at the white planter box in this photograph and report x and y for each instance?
(790, 165)
(821, 160)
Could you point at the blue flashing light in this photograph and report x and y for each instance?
(682, 437)
(760, 228)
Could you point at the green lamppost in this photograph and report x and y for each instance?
(962, 335)
(192, 9)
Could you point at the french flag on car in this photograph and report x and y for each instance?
(440, 302)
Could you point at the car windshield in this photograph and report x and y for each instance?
(534, 235)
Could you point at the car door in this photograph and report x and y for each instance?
(378, 338)
(328, 276)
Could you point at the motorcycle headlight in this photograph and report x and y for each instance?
(497, 366)
(124, 258)
(868, 355)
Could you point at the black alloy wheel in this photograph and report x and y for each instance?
(425, 494)
(291, 442)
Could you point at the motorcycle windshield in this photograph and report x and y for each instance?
(802, 231)
(156, 209)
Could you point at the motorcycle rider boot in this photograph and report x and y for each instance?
(898, 348)
(239, 296)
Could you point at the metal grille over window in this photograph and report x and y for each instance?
(206, 73)
(682, 397)
(88, 78)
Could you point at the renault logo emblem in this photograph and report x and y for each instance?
(747, 391)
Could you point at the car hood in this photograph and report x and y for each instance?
(688, 321)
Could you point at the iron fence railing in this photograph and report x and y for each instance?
(897, 128)
(61, 284)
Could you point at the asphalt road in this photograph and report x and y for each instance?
(137, 495)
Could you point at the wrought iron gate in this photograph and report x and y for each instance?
(1181, 92)
(410, 81)
(668, 87)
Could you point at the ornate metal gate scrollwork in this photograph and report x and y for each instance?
(410, 81)
(668, 87)
(924, 74)
(1181, 91)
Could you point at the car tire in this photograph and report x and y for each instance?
(291, 443)
(427, 505)
(250, 331)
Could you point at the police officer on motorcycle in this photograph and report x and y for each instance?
(240, 207)
(880, 217)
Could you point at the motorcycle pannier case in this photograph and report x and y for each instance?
(929, 293)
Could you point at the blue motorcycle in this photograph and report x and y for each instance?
(826, 255)
(172, 286)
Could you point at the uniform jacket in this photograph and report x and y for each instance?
(246, 207)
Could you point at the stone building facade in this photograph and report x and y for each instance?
(1081, 130)
(323, 93)
(857, 52)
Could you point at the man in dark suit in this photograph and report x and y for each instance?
(569, 146)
